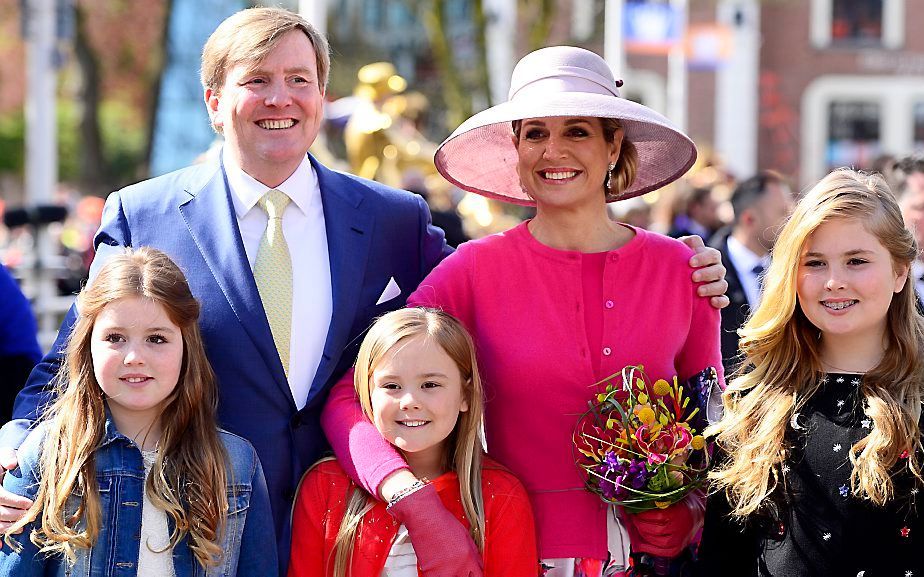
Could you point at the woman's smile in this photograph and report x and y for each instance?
(558, 174)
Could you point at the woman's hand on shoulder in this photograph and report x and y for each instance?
(708, 270)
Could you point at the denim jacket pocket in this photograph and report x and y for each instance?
(238, 504)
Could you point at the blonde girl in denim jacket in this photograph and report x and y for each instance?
(127, 470)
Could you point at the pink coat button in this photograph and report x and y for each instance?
(607, 351)
(609, 304)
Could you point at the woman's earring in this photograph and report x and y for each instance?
(526, 192)
(608, 185)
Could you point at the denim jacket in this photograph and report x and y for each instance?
(248, 542)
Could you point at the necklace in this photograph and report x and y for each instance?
(826, 365)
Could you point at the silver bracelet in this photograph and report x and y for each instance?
(415, 486)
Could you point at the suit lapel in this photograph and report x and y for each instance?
(349, 237)
(212, 223)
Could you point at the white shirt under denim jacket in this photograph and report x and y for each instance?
(248, 543)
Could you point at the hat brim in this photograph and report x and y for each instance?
(480, 156)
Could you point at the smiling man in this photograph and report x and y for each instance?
(273, 243)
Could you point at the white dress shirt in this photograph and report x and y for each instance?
(306, 236)
(744, 260)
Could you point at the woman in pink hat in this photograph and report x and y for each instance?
(562, 301)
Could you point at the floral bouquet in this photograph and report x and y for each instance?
(640, 443)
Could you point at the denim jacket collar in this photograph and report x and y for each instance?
(112, 434)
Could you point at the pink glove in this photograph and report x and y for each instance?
(666, 532)
(443, 546)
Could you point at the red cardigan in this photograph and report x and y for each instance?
(510, 535)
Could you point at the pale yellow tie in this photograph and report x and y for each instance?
(273, 273)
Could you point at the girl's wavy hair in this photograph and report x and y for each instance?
(782, 364)
(187, 479)
(464, 445)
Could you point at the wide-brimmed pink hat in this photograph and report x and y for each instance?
(480, 157)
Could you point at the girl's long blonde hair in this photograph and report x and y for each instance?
(782, 359)
(187, 479)
(464, 445)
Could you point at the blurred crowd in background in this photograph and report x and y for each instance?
(700, 203)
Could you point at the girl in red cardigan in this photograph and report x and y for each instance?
(417, 381)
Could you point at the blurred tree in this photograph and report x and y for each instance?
(106, 91)
(119, 48)
(458, 107)
(12, 149)
(541, 14)
(460, 87)
(93, 172)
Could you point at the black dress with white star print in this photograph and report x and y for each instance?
(820, 528)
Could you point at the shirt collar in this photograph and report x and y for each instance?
(301, 187)
(744, 258)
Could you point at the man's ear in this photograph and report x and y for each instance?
(747, 217)
(211, 104)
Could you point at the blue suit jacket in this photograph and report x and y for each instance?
(374, 233)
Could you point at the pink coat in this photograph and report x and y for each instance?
(523, 303)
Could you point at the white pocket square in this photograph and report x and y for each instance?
(390, 292)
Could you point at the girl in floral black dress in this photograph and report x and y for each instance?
(819, 451)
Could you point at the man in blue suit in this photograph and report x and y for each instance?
(354, 250)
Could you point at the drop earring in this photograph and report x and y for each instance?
(608, 184)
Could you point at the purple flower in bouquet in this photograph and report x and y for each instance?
(637, 475)
(616, 474)
(612, 472)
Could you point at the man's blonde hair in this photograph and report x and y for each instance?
(248, 36)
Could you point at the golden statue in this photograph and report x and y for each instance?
(382, 141)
